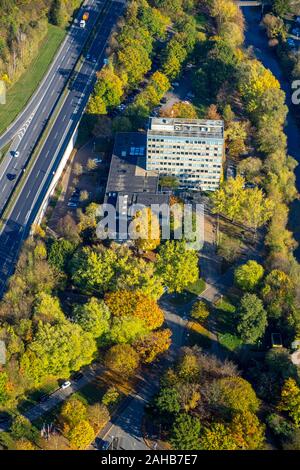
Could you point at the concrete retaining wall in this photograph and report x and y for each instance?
(56, 177)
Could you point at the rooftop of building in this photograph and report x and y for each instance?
(128, 175)
(186, 127)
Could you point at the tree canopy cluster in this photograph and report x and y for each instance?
(205, 404)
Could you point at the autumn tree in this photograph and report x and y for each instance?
(98, 416)
(136, 305)
(290, 400)
(180, 110)
(145, 230)
(72, 413)
(217, 437)
(81, 435)
(122, 359)
(278, 293)
(153, 344)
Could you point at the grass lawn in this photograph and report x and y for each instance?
(91, 393)
(224, 313)
(197, 287)
(19, 94)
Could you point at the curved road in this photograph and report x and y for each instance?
(256, 38)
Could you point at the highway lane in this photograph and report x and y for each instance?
(25, 140)
(72, 44)
(39, 178)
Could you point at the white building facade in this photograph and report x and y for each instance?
(191, 150)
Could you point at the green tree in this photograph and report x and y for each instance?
(60, 253)
(168, 400)
(126, 330)
(3, 388)
(185, 433)
(47, 309)
(252, 318)
(177, 265)
(249, 275)
(56, 350)
(233, 394)
(200, 311)
(281, 7)
(93, 270)
(93, 317)
(107, 92)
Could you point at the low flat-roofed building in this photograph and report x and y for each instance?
(191, 150)
(128, 181)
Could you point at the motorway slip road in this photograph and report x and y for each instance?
(38, 178)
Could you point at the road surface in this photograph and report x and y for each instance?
(39, 177)
(26, 131)
(56, 77)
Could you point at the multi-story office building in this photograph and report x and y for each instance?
(189, 149)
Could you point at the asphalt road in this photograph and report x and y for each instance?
(29, 125)
(39, 178)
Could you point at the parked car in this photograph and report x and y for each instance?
(65, 385)
(175, 84)
(77, 376)
(296, 31)
(250, 185)
(72, 205)
(97, 160)
(44, 398)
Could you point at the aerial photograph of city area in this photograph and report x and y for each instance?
(149, 232)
